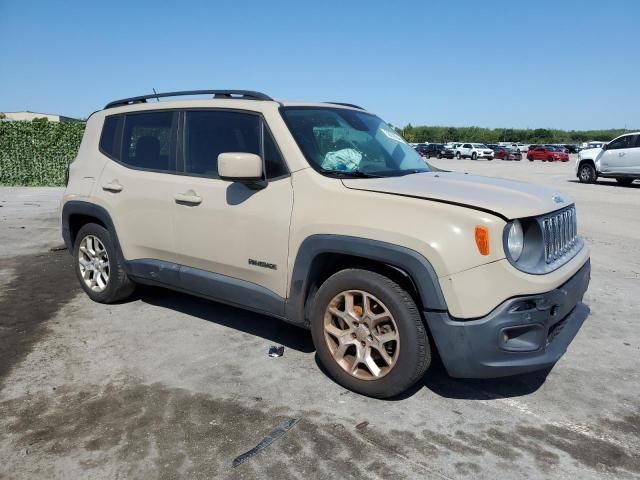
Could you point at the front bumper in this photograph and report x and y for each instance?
(521, 335)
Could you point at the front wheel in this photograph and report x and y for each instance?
(550, 159)
(99, 267)
(587, 173)
(489, 158)
(369, 334)
(474, 156)
(458, 156)
(439, 156)
(530, 158)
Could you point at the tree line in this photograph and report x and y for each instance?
(430, 134)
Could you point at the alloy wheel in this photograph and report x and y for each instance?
(361, 334)
(94, 263)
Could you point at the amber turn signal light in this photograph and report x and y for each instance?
(482, 240)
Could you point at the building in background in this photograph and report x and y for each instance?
(27, 116)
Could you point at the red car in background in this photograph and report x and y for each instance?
(504, 153)
(547, 154)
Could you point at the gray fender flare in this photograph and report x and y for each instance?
(410, 262)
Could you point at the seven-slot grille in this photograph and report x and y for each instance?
(560, 233)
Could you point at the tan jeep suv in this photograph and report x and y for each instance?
(322, 215)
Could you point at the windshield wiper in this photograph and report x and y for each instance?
(351, 173)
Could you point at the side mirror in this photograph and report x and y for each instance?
(604, 146)
(243, 168)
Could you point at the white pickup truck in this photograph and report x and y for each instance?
(619, 159)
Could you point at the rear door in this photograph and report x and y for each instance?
(229, 228)
(137, 184)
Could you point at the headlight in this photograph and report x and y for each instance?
(515, 240)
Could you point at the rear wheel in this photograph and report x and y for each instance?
(439, 156)
(624, 181)
(529, 158)
(99, 267)
(587, 173)
(369, 334)
(458, 156)
(549, 159)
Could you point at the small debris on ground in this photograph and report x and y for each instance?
(275, 351)
(58, 248)
(273, 435)
(24, 452)
(362, 425)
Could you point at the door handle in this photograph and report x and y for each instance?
(621, 154)
(189, 198)
(114, 187)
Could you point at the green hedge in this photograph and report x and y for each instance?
(36, 153)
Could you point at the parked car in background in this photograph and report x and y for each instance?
(493, 146)
(572, 148)
(619, 159)
(437, 150)
(421, 148)
(474, 151)
(593, 144)
(547, 154)
(506, 153)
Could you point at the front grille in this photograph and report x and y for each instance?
(560, 233)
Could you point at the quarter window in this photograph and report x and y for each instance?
(149, 141)
(109, 139)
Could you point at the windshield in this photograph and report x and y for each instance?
(479, 145)
(341, 141)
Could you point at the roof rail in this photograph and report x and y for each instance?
(346, 105)
(239, 94)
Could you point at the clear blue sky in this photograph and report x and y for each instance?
(571, 64)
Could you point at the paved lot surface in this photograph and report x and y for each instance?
(166, 385)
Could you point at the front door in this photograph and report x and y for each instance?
(228, 228)
(619, 155)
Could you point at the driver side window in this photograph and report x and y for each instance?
(628, 141)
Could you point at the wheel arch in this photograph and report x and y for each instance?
(76, 214)
(320, 256)
(587, 161)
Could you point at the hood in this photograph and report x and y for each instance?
(590, 152)
(506, 198)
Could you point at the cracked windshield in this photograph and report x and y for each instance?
(350, 143)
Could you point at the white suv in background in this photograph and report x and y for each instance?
(619, 159)
(474, 151)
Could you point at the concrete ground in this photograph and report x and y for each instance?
(167, 386)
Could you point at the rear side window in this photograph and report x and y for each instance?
(209, 133)
(148, 141)
(110, 138)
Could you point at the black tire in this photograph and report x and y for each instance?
(119, 286)
(474, 156)
(414, 356)
(624, 181)
(587, 173)
(439, 156)
(458, 156)
(489, 158)
(428, 155)
(529, 158)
